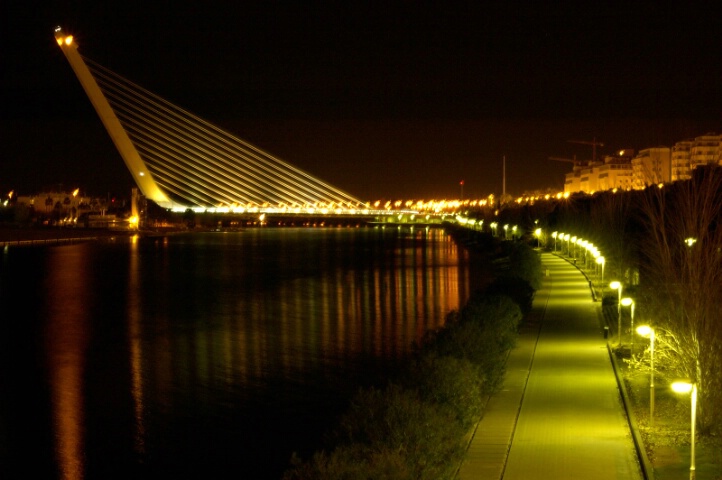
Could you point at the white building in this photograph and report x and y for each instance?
(652, 166)
(705, 150)
(680, 160)
(614, 172)
(626, 171)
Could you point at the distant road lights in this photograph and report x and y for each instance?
(685, 386)
(629, 302)
(615, 285)
(506, 229)
(647, 331)
(690, 241)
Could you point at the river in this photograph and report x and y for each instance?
(207, 355)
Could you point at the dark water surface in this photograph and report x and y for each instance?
(211, 355)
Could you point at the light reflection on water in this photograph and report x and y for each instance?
(180, 355)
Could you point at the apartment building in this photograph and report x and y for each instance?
(615, 171)
(628, 170)
(680, 160)
(651, 166)
(705, 150)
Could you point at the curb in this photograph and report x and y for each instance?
(647, 468)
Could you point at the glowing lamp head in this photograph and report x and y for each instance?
(682, 386)
(615, 285)
(627, 301)
(644, 330)
(61, 38)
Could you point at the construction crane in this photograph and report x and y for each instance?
(570, 160)
(594, 145)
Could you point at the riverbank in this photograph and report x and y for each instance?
(27, 236)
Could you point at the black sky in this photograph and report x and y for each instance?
(382, 99)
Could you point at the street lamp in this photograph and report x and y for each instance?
(554, 236)
(615, 285)
(600, 261)
(629, 302)
(647, 331)
(687, 387)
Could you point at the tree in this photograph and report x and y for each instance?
(682, 282)
(189, 218)
(612, 227)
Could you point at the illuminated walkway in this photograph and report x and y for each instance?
(571, 423)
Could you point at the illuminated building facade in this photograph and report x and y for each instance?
(628, 170)
(680, 160)
(651, 166)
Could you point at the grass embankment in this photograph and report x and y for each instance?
(666, 439)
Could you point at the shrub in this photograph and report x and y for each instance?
(350, 462)
(451, 383)
(516, 288)
(395, 419)
(499, 315)
(469, 341)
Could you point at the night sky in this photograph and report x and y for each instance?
(381, 99)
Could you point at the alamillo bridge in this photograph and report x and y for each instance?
(181, 161)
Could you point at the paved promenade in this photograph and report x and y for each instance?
(559, 414)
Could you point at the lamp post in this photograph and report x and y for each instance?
(554, 236)
(627, 302)
(615, 285)
(600, 261)
(647, 331)
(687, 387)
